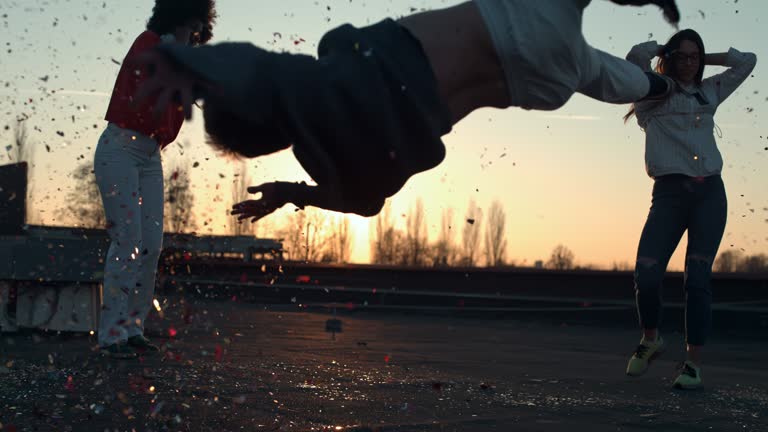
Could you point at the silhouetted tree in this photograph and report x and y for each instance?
(728, 261)
(561, 259)
(416, 236)
(621, 266)
(21, 149)
(339, 241)
(387, 245)
(754, 264)
(240, 183)
(83, 203)
(304, 235)
(495, 236)
(179, 199)
(444, 250)
(470, 234)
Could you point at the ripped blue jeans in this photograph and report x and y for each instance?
(696, 204)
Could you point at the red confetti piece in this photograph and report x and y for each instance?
(219, 354)
(172, 332)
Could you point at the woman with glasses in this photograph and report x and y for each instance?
(682, 157)
(129, 174)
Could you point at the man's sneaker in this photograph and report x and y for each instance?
(689, 378)
(645, 353)
(118, 351)
(142, 344)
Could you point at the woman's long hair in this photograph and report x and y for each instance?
(169, 14)
(665, 64)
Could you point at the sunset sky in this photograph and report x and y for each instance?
(574, 176)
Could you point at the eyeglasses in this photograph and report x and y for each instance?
(684, 58)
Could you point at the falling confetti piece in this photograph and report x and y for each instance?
(219, 353)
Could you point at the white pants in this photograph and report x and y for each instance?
(129, 174)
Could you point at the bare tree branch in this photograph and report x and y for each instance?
(293, 235)
(495, 236)
(83, 202)
(305, 235)
(728, 261)
(754, 264)
(179, 200)
(416, 236)
(445, 251)
(240, 183)
(470, 234)
(340, 241)
(562, 258)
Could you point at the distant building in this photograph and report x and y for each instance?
(538, 264)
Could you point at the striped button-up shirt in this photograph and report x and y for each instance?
(679, 130)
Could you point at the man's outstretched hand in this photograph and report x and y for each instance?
(271, 200)
(671, 12)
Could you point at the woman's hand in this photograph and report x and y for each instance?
(271, 200)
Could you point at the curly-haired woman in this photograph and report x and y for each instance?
(130, 177)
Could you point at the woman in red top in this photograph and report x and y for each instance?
(130, 177)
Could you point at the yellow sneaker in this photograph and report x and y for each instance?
(645, 353)
(689, 378)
